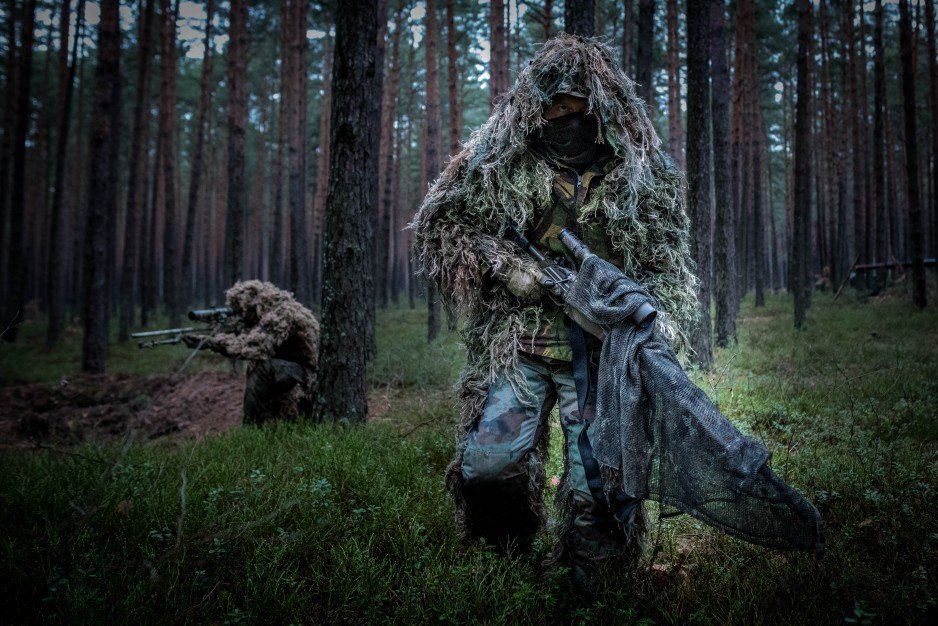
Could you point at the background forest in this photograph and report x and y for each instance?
(155, 151)
(221, 130)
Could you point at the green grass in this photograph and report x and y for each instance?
(323, 524)
(30, 360)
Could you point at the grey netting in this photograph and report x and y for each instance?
(662, 438)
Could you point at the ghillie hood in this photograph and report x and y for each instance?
(266, 318)
(640, 204)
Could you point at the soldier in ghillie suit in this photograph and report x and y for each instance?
(279, 338)
(569, 146)
(570, 149)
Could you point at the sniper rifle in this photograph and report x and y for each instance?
(557, 278)
(172, 336)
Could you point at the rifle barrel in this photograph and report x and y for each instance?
(167, 331)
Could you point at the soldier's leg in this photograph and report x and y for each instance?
(269, 392)
(591, 536)
(502, 458)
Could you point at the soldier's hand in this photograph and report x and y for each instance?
(526, 283)
(193, 341)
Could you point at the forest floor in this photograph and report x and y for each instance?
(132, 495)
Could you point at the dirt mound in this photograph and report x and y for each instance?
(94, 408)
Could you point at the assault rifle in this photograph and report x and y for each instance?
(172, 336)
(557, 279)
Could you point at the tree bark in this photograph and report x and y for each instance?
(58, 215)
(101, 207)
(643, 56)
(498, 55)
(698, 168)
(628, 28)
(386, 241)
(348, 281)
(579, 17)
(933, 94)
(16, 267)
(455, 104)
(167, 138)
(431, 146)
(916, 225)
(296, 147)
(879, 145)
(322, 158)
(195, 173)
(675, 132)
(802, 200)
(237, 139)
(9, 129)
(724, 257)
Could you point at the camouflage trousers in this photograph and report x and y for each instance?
(501, 455)
(277, 389)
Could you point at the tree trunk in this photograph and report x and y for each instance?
(643, 56)
(58, 215)
(348, 284)
(933, 93)
(101, 208)
(455, 105)
(431, 146)
(724, 257)
(322, 159)
(296, 147)
(237, 138)
(498, 55)
(628, 28)
(698, 168)
(16, 266)
(879, 146)
(916, 225)
(386, 245)
(195, 173)
(802, 201)
(136, 193)
(579, 17)
(167, 138)
(675, 133)
(6, 145)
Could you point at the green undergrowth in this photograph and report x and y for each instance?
(328, 524)
(30, 360)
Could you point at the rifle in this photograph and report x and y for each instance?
(557, 279)
(212, 315)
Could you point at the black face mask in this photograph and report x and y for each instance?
(570, 140)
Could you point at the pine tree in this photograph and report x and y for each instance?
(237, 139)
(101, 193)
(802, 199)
(916, 224)
(698, 168)
(348, 264)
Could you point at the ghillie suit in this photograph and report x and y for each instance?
(279, 338)
(461, 246)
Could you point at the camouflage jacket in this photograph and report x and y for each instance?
(570, 192)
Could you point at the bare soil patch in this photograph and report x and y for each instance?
(96, 408)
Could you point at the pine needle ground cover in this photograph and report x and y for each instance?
(304, 523)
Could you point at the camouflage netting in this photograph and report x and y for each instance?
(657, 435)
(459, 229)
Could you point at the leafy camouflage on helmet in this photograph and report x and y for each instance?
(495, 178)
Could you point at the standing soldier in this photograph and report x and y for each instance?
(569, 146)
